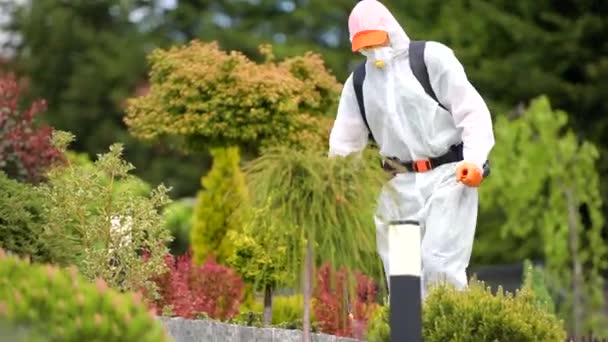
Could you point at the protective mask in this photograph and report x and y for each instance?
(380, 55)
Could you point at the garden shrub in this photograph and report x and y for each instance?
(61, 305)
(21, 219)
(338, 309)
(287, 313)
(188, 290)
(209, 96)
(534, 278)
(116, 236)
(378, 329)
(287, 309)
(249, 318)
(262, 254)
(134, 185)
(215, 212)
(178, 220)
(26, 150)
(326, 202)
(477, 315)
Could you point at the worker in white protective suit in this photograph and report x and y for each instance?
(416, 131)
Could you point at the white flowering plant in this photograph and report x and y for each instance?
(109, 230)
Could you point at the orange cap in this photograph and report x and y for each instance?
(369, 38)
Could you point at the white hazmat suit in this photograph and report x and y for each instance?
(409, 125)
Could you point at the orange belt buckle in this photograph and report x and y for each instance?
(422, 165)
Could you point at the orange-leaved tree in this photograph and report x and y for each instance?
(210, 97)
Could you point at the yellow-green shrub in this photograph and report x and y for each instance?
(60, 305)
(476, 315)
(287, 312)
(209, 96)
(215, 212)
(262, 251)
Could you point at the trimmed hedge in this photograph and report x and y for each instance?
(61, 305)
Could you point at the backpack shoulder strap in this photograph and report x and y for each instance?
(358, 78)
(419, 69)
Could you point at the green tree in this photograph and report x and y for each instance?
(261, 255)
(294, 27)
(545, 189)
(215, 212)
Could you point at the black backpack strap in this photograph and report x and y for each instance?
(419, 69)
(358, 78)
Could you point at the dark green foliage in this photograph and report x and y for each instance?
(178, 220)
(21, 219)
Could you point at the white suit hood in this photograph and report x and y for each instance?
(371, 15)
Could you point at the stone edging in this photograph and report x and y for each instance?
(187, 330)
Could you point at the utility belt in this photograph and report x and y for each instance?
(453, 155)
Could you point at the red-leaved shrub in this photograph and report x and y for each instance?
(190, 290)
(25, 150)
(339, 313)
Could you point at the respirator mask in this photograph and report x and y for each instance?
(378, 55)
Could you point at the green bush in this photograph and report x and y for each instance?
(287, 310)
(534, 278)
(378, 329)
(261, 252)
(21, 219)
(133, 185)
(178, 220)
(108, 230)
(214, 214)
(61, 305)
(287, 313)
(476, 315)
(209, 96)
